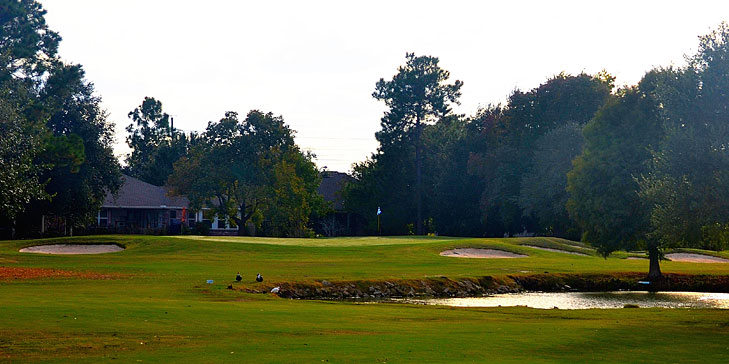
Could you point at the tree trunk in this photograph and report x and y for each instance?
(418, 180)
(654, 270)
(243, 219)
(240, 221)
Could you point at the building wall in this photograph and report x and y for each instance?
(140, 220)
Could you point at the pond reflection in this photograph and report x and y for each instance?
(585, 300)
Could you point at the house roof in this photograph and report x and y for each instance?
(135, 193)
(331, 186)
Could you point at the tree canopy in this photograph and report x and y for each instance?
(416, 95)
(53, 115)
(603, 188)
(21, 142)
(28, 48)
(83, 166)
(517, 137)
(154, 142)
(250, 169)
(688, 182)
(639, 167)
(643, 166)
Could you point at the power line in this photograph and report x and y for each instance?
(336, 138)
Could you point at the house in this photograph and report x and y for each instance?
(331, 186)
(140, 207)
(340, 221)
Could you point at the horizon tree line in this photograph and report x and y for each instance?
(56, 156)
(634, 167)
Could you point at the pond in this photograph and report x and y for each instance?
(585, 300)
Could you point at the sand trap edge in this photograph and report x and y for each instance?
(695, 258)
(73, 249)
(480, 253)
(555, 250)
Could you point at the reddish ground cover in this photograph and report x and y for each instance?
(9, 273)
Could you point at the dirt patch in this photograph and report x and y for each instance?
(555, 250)
(10, 273)
(73, 249)
(695, 258)
(480, 253)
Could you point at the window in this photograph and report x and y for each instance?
(173, 214)
(102, 218)
(191, 219)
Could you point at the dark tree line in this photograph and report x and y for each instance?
(56, 149)
(501, 171)
(250, 172)
(154, 142)
(639, 167)
(57, 162)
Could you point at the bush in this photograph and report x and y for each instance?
(202, 228)
(715, 237)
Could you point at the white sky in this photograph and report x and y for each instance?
(316, 62)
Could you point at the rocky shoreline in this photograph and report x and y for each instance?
(442, 287)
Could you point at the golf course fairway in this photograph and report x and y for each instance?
(151, 303)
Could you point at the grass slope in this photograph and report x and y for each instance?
(157, 307)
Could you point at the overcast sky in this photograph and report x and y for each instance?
(316, 62)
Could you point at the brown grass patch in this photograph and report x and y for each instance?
(11, 273)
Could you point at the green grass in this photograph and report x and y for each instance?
(159, 309)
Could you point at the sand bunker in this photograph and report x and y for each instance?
(636, 258)
(480, 253)
(555, 250)
(73, 249)
(695, 258)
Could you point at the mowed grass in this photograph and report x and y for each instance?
(156, 307)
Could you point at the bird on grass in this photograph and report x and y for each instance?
(259, 277)
(238, 277)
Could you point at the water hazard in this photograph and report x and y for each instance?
(586, 300)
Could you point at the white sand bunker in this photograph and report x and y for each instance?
(636, 258)
(73, 249)
(480, 253)
(555, 250)
(695, 258)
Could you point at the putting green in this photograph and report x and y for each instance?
(326, 242)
